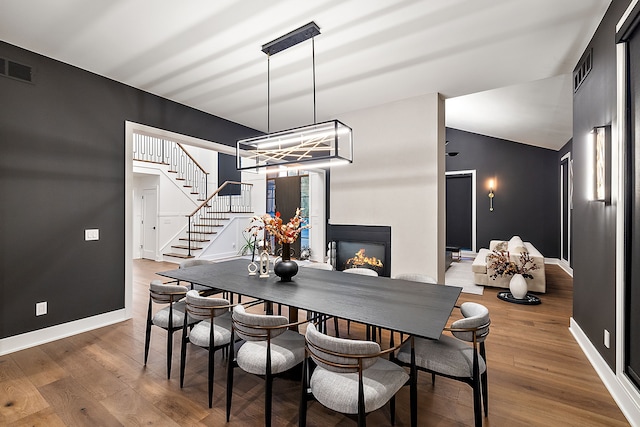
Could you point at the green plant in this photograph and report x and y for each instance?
(249, 244)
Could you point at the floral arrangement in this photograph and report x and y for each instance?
(284, 233)
(502, 265)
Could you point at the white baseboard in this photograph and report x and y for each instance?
(627, 400)
(53, 333)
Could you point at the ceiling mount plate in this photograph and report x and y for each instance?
(291, 39)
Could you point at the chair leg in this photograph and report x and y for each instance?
(267, 401)
(230, 363)
(336, 327)
(483, 377)
(302, 411)
(148, 334)
(169, 351)
(210, 372)
(183, 356)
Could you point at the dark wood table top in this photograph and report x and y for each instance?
(419, 309)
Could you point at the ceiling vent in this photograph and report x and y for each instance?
(15, 70)
(583, 70)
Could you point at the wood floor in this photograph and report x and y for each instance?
(538, 376)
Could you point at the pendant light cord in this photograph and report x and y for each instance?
(313, 56)
(268, 93)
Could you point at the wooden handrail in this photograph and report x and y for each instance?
(214, 194)
(192, 159)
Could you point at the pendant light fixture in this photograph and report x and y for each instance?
(318, 145)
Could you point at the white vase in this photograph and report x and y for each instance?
(518, 286)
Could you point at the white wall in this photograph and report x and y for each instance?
(398, 187)
(174, 204)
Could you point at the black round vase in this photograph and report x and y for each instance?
(285, 270)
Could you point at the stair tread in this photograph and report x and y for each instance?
(193, 248)
(203, 232)
(195, 240)
(183, 256)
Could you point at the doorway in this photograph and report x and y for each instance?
(285, 195)
(461, 209)
(150, 223)
(566, 196)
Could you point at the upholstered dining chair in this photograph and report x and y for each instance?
(351, 377)
(416, 277)
(213, 330)
(170, 318)
(320, 266)
(453, 357)
(364, 272)
(270, 348)
(361, 270)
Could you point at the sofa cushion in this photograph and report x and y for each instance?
(480, 262)
(498, 245)
(516, 246)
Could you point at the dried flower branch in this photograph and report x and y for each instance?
(284, 233)
(502, 265)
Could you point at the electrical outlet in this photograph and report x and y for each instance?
(607, 338)
(41, 308)
(92, 234)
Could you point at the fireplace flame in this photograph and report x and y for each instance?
(360, 260)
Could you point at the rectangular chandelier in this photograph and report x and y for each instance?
(318, 145)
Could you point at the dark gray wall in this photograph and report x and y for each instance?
(526, 194)
(594, 226)
(62, 169)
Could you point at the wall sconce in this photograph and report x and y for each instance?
(601, 173)
(491, 195)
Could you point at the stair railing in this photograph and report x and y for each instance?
(230, 197)
(152, 149)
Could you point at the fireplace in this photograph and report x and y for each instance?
(363, 246)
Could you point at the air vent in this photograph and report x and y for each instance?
(16, 70)
(583, 70)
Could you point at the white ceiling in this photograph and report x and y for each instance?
(504, 65)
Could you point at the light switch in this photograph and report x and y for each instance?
(92, 234)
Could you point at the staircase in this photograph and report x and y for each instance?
(213, 212)
(211, 215)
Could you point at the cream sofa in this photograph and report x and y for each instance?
(515, 246)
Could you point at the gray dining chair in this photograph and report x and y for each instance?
(416, 277)
(270, 348)
(453, 357)
(169, 318)
(212, 332)
(351, 377)
(361, 270)
(319, 266)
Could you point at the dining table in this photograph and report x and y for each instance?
(413, 308)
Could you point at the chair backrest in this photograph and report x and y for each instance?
(332, 353)
(320, 265)
(255, 327)
(162, 293)
(194, 262)
(203, 308)
(416, 277)
(362, 271)
(476, 316)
